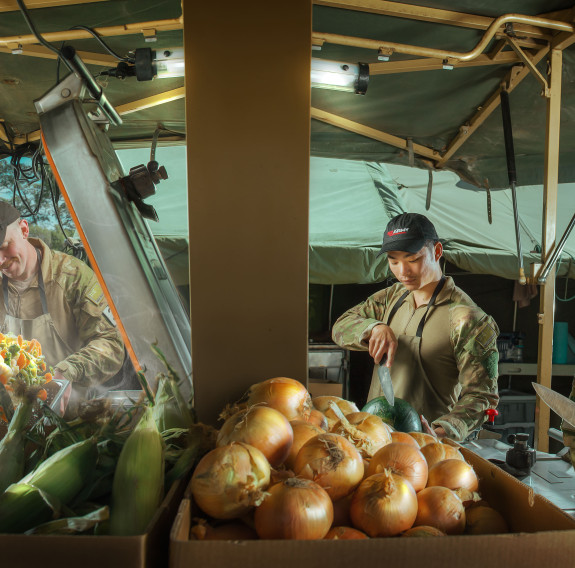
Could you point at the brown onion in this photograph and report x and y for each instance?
(341, 511)
(385, 504)
(294, 509)
(423, 531)
(318, 419)
(322, 403)
(332, 462)
(436, 452)
(234, 530)
(405, 460)
(302, 432)
(422, 438)
(229, 481)
(481, 519)
(345, 533)
(367, 432)
(264, 428)
(288, 396)
(441, 508)
(453, 474)
(403, 438)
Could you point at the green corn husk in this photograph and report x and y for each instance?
(54, 483)
(138, 487)
(12, 447)
(170, 410)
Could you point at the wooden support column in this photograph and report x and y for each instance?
(547, 292)
(248, 131)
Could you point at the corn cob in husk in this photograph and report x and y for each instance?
(39, 495)
(138, 487)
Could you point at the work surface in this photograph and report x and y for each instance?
(550, 477)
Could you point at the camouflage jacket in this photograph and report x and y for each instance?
(79, 311)
(469, 355)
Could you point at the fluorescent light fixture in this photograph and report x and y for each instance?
(340, 76)
(170, 63)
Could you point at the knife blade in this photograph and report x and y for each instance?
(385, 381)
(560, 404)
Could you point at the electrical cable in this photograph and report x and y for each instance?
(28, 20)
(104, 44)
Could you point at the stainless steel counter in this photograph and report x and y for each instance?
(551, 476)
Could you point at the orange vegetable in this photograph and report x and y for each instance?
(43, 366)
(48, 377)
(20, 340)
(2, 415)
(42, 394)
(22, 360)
(4, 378)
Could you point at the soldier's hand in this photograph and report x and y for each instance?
(382, 341)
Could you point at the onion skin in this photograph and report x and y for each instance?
(367, 432)
(302, 432)
(263, 427)
(341, 507)
(322, 403)
(287, 395)
(404, 438)
(332, 462)
(424, 531)
(230, 481)
(294, 509)
(481, 519)
(423, 439)
(453, 474)
(385, 504)
(345, 533)
(405, 460)
(441, 508)
(318, 419)
(436, 452)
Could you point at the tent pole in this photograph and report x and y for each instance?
(547, 296)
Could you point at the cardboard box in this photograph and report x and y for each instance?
(325, 389)
(544, 535)
(149, 550)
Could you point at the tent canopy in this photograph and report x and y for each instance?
(352, 201)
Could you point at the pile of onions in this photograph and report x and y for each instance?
(230, 481)
(403, 459)
(403, 438)
(322, 403)
(288, 396)
(345, 533)
(385, 504)
(294, 509)
(318, 419)
(437, 451)
(482, 519)
(453, 474)
(302, 432)
(367, 432)
(263, 427)
(441, 508)
(332, 462)
(422, 438)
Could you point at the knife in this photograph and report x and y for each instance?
(560, 404)
(385, 381)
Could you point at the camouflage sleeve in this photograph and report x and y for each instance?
(474, 338)
(353, 328)
(569, 430)
(102, 353)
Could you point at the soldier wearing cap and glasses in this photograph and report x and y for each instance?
(55, 298)
(441, 347)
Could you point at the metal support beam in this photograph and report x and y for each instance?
(152, 101)
(523, 56)
(101, 59)
(12, 5)
(547, 296)
(368, 132)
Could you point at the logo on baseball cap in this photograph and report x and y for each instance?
(408, 232)
(8, 214)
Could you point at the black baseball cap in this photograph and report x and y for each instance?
(8, 214)
(408, 232)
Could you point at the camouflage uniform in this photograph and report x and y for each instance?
(94, 350)
(462, 368)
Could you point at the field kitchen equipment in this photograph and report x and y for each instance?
(110, 213)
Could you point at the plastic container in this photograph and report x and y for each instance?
(515, 406)
(560, 342)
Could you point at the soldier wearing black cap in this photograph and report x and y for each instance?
(441, 347)
(55, 298)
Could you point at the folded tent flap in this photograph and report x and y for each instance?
(119, 243)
